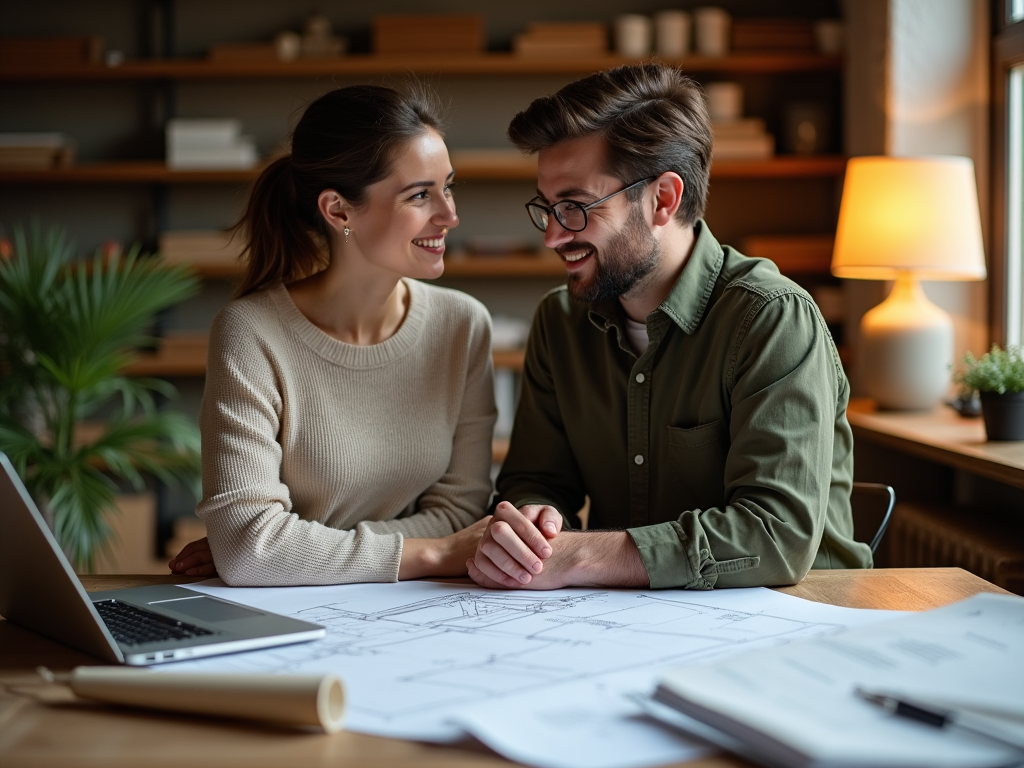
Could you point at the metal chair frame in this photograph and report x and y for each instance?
(879, 488)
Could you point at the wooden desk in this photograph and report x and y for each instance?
(47, 726)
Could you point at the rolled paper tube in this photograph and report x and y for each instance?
(285, 699)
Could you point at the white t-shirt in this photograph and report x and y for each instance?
(637, 335)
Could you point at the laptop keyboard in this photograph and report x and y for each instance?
(133, 626)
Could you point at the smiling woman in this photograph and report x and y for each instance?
(348, 409)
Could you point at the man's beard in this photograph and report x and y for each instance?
(629, 258)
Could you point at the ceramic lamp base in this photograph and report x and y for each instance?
(906, 349)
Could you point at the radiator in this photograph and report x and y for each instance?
(979, 540)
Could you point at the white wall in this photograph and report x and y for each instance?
(917, 83)
(938, 103)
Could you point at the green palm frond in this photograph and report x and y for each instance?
(67, 329)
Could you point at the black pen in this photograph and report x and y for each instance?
(937, 718)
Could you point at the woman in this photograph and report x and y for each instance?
(348, 409)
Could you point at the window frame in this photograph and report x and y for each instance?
(1007, 54)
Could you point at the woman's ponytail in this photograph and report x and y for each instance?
(279, 244)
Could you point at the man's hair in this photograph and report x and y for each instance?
(652, 117)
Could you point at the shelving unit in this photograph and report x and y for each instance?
(372, 64)
(474, 165)
(123, 190)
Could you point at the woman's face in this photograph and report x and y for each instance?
(402, 226)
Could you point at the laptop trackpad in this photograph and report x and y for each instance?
(209, 609)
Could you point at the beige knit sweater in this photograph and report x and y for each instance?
(319, 456)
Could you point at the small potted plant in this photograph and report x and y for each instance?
(998, 378)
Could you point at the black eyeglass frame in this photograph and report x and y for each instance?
(550, 211)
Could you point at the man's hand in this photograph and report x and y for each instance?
(195, 559)
(513, 548)
(577, 559)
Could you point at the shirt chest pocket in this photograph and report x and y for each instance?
(697, 463)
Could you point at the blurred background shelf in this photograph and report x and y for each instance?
(369, 65)
(497, 165)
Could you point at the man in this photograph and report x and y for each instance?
(693, 394)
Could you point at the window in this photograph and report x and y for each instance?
(1008, 177)
(1014, 210)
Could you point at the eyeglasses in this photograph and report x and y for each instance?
(571, 214)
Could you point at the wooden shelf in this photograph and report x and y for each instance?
(124, 172)
(469, 165)
(369, 64)
(184, 354)
(942, 436)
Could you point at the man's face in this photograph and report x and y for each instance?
(616, 251)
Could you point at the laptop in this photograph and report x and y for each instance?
(137, 626)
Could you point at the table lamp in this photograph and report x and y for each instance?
(908, 219)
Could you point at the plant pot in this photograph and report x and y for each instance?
(1004, 415)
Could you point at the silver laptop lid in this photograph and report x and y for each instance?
(38, 588)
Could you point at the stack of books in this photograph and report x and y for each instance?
(777, 35)
(211, 249)
(35, 151)
(588, 38)
(460, 34)
(20, 53)
(742, 139)
(209, 144)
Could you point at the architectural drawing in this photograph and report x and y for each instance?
(464, 647)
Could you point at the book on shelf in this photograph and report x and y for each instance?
(209, 144)
(744, 138)
(27, 53)
(35, 151)
(463, 33)
(773, 34)
(759, 147)
(201, 248)
(554, 39)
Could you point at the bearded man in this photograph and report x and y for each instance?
(693, 394)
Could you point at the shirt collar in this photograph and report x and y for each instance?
(686, 302)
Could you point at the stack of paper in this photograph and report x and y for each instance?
(208, 144)
(201, 248)
(35, 150)
(588, 38)
(796, 704)
(743, 139)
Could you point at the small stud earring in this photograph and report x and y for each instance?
(347, 230)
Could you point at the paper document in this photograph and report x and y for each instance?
(796, 703)
(542, 677)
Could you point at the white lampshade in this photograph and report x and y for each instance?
(908, 219)
(909, 213)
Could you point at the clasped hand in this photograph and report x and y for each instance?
(515, 551)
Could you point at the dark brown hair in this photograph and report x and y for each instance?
(346, 140)
(653, 119)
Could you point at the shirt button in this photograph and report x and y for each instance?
(639, 378)
(638, 459)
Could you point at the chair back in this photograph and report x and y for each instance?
(872, 507)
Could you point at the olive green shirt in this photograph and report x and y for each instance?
(723, 449)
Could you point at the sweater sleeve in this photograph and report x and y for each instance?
(459, 497)
(255, 537)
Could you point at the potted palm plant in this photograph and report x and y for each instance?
(998, 378)
(67, 329)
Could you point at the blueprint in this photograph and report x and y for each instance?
(437, 661)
